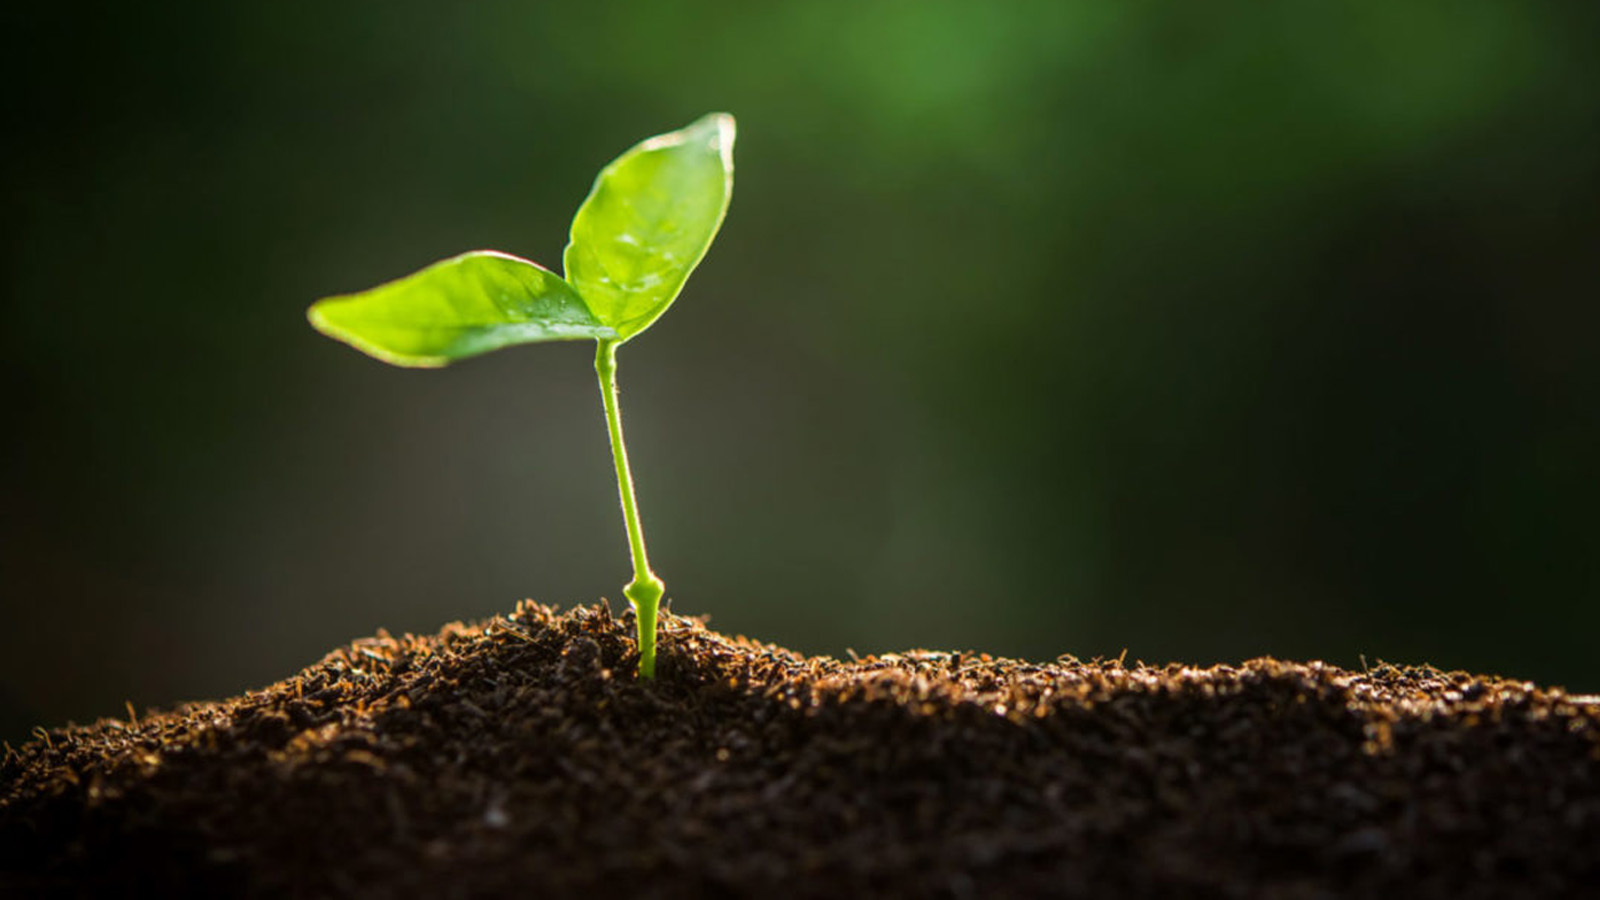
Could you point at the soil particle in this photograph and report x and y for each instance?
(520, 757)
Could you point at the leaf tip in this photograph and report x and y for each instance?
(317, 315)
(720, 129)
(724, 124)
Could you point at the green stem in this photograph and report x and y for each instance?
(645, 591)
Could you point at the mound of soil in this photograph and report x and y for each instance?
(520, 758)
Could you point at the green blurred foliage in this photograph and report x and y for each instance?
(1205, 331)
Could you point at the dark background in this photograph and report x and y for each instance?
(1199, 330)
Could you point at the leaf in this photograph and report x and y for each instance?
(649, 220)
(460, 307)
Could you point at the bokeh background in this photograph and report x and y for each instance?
(1200, 331)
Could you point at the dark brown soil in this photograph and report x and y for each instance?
(520, 758)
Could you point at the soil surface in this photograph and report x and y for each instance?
(521, 758)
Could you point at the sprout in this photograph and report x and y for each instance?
(645, 225)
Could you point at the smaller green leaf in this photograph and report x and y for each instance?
(460, 307)
(649, 220)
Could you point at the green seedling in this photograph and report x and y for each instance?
(644, 227)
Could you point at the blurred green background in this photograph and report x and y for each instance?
(1200, 331)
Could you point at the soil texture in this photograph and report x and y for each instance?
(520, 757)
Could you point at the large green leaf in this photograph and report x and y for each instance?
(649, 220)
(463, 306)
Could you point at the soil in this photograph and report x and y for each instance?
(520, 758)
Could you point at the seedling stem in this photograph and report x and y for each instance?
(645, 591)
